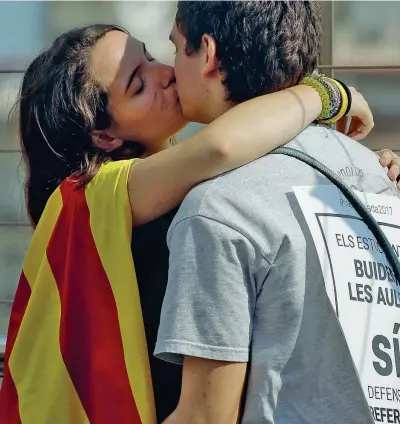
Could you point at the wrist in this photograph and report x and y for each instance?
(318, 86)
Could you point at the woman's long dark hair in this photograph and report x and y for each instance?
(60, 104)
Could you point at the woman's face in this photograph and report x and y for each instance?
(142, 94)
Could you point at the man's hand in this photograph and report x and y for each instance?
(392, 161)
(360, 117)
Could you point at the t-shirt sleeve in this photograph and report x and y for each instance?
(210, 298)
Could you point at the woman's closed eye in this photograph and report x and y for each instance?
(149, 57)
(142, 86)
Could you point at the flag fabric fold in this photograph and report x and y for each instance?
(76, 349)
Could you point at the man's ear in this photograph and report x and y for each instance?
(212, 63)
(103, 140)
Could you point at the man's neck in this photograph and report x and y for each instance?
(217, 109)
(159, 148)
(217, 103)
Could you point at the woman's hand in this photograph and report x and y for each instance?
(359, 122)
(392, 161)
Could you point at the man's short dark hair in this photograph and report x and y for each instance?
(263, 46)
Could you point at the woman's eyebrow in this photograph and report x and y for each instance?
(132, 75)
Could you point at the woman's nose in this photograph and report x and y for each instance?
(164, 74)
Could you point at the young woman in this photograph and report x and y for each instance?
(90, 104)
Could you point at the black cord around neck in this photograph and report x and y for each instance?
(360, 208)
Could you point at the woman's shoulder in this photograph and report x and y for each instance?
(112, 172)
(116, 166)
(110, 179)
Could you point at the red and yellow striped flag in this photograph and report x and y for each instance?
(76, 349)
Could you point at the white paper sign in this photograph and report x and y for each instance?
(361, 286)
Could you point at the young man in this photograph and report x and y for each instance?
(246, 308)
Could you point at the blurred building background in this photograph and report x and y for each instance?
(361, 47)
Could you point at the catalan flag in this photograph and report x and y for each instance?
(76, 350)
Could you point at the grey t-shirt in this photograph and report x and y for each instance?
(245, 284)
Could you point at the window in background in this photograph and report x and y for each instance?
(381, 88)
(366, 34)
(15, 231)
(138, 17)
(9, 87)
(21, 39)
(22, 33)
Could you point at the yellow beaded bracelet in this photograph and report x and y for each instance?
(323, 93)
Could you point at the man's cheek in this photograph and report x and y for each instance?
(179, 72)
